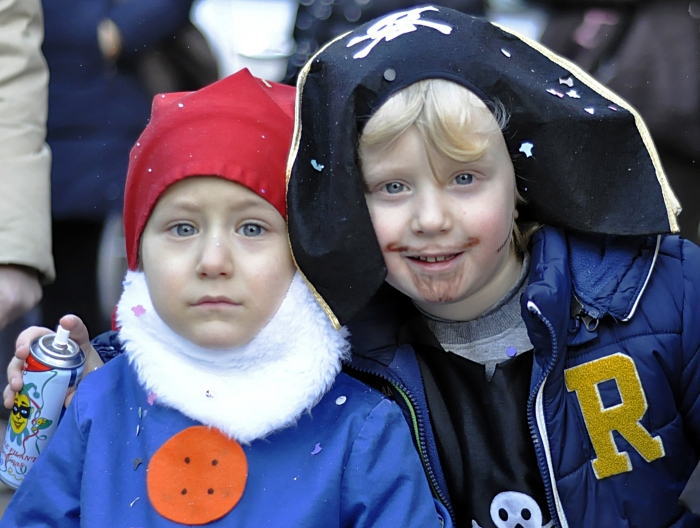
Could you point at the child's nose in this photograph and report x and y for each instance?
(216, 258)
(431, 215)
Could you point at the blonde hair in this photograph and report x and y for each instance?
(451, 120)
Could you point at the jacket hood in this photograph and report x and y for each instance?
(609, 274)
(584, 157)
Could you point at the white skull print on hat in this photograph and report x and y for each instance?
(395, 25)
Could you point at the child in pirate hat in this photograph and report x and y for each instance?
(203, 418)
(494, 226)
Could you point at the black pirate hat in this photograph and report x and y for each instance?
(583, 157)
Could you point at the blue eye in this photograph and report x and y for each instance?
(251, 230)
(394, 187)
(464, 179)
(184, 230)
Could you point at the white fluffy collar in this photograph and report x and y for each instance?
(247, 392)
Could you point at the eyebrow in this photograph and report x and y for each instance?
(190, 205)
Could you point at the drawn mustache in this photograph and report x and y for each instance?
(432, 250)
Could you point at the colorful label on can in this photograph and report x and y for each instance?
(34, 418)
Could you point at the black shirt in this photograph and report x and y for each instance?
(483, 437)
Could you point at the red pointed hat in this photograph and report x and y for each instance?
(239, 128)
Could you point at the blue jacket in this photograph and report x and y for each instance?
(97, 109)
(614, 408)
(347, 463)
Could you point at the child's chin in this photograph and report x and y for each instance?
(220, 344)
(215, 333)
(437, 292)
(213, 340)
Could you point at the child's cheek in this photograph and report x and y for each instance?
(398, 275)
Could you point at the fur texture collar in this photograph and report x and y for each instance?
(247, 392)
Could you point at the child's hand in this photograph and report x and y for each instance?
(78, 333)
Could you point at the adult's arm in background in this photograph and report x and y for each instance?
(25, 160)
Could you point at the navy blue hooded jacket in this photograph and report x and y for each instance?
(613, 407)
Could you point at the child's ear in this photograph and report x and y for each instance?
(516, 214)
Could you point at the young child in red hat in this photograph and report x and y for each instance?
(206, 416)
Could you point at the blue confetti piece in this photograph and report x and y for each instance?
(317, 449)
(316, 165)
(511, 351)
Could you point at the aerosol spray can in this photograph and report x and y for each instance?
(54, 366)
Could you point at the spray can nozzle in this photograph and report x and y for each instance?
(61, 339)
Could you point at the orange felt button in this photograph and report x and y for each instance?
(197, 476)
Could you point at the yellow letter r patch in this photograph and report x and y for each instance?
(623, 418)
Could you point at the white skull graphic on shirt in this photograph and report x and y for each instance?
(512, 509)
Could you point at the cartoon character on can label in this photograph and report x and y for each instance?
(26, 424)
(34, 398)
(21, 411)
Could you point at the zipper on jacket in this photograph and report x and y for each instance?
(578, 311)
(419, 433)
(542, 446)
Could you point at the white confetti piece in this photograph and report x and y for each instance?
(569, 81)
(526, 148)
